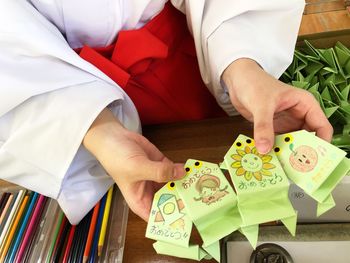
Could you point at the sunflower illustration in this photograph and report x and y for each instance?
(249, 162)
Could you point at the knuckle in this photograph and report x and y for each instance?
(162, 173)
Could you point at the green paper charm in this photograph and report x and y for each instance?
(210, 200)
(168, 221)
(261, 185)
(193, 252)
(313, 164)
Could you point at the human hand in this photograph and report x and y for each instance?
(134, 163)
(272, 105)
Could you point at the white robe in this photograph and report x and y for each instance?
(49, 96)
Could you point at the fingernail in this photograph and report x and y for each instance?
(179, 171)
(263, 146)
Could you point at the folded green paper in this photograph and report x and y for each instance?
(193, 252)
(168, 220)
(313, 164)
(326, 74)
(210, 201)
(261, 186)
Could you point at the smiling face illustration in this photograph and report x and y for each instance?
(303, 159)
(251, 162)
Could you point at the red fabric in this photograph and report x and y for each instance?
(157, 67)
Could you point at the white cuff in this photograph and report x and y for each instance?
(40, 138)
(268, 37)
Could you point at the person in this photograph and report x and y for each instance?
(68, 131)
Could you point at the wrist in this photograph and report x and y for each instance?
(240, 72)
(102, 133)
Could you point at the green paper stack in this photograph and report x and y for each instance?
(261, 186)
(326, 74)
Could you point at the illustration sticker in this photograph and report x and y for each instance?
(261, 185)
(168, 219)
(209, 199)
(251, 170)
(307, 159)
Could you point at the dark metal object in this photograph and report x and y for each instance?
(270, 253)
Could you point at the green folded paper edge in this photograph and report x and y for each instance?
(326, 74)
(193, 252)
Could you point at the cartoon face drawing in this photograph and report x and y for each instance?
(170, 211)
(250, 163)
(303, 158)
(208, 187)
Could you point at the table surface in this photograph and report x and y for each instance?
(206, 140)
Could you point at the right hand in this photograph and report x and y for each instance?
(135, 164)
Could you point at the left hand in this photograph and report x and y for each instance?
(272, 105)
(135, 164)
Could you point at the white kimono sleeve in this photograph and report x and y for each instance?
(226, 30)
(49, 98)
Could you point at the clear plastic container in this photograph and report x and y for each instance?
(113, 248)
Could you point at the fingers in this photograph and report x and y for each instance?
(158, 171)
(318, 122)
(149, 148)
(263, 129)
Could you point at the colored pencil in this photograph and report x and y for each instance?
(91, 232)
(83, 240)
(107, 209)
(3, 201)
(49, 220)
(31, 227)
(10, 220)
(6, 208)
(94, 247)
(32, 237)
(69, 244)
(14, 227)
(55, 235)
(9, 213)
(12, 213)
(80, 239)
(77, 235)
(60, 240)
(17, 232)
(21, 231)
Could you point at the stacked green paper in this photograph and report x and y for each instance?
(326, 74)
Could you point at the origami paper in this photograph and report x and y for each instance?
(313, 164)
(326, 74)
(261, 186)
(210, 201)
(168, 220)
(192, 252)
(214, 250)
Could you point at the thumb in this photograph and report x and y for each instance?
(160, 171)
(263, 130)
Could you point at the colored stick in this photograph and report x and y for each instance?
(69, 244)
(91, 232)
(93, 252)
(14, 228)
(31, 227)
(23, 227)
(107, 209)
